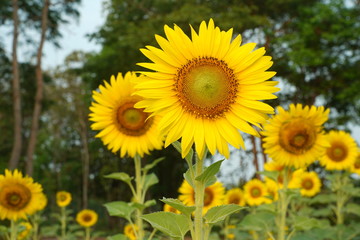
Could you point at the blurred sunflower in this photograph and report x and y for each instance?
(25, 229)
(86, 218)
(213, 195)
(342, 152)
(273, 166)
(206, 88)
(122, 126)
(168, 208)
(129, 231)
(19, 196)
(309, 184)
(255, 192)
(63, 198)
(294, 137)
(235, 196)
(356, 166)
(272, 189)
(42, 202)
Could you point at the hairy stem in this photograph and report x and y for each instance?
(199, 200)
(139, 196)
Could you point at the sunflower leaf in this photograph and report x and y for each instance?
(117, 237)
(120, 209)
(188, 157)
(120, 176)
(150, 179)
(177, 204)
(174, 225)
(208, 175)
(219, 213)
(257, 221)
(188, 178)
(149, 166)
(273, 175)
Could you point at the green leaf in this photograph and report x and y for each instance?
(150, 180)
(219, 213)
(177, 204)
(153, 164)
(188, 157)
(323, 198)
(305, 223)
(118, 237)
(353, 208)
(143, 206)
(188, 178)
(120, 209)
(322, 212)
(120, 176)
(273, 175)
(174, 225)
(257, 221)
(208, 175)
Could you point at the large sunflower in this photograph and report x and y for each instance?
(255, 192)
(294, 137)
(123, 127)
(235, 196)
(206, 88)
(342, 152)
(356, 166)
(86, 217)
(19, 196)
(213, 195)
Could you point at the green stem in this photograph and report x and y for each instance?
(36, 226)
(87, 233)
(199, 200)
(226, 227)
(63, 223)
(152, 234)
(282, 207)
(13, 229)
(139, 196)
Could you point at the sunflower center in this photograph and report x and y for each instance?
(208, 197)
(87, 218)
(234, 199)
(337, 152)
(206, 87)
(132, 121)
(62, 198)
(255, 192)
(357, 163)
(307, 184)
(297, 136)
(15, 197)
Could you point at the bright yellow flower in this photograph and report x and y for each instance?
(213, 195)
(168, 208)
(129, 231)
(294, 137)
(272, 189)
(86, 218)
(207, 88)
(235, 196)
(19, 196)
(273, 166)
(342, 152)
(63, 198)
(42, 202)
(230, 229)
(356, 166)
(27, 227)
(255, 192)
(123, 127)
(309, 184)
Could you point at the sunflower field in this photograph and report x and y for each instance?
(196, 119)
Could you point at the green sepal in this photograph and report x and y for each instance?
(122, 176)
(207, 177)
(219, 213)
(120, 209)
(177, 204)
(174, 225)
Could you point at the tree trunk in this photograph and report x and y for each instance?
(39, 93)
(254, 150)
(17, 144)
(85, 157)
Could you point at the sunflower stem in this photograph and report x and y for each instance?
(282, 207)
(13, 230)
(63, 223)
(36, 226)
(199, 199)
(139, 195)
(87, 233)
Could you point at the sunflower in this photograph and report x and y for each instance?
(356, 166)
(255, 192)
(26, 228)
(342, 152)
(42, 202)
(206, 88)
(309, 184)
(123, 127)
(63, 198)
(235, 196)
(272, 189)
(294, 137)
(168, 208)
(129, 231)
(19, 196)
(273, 166)
(86, 218)
(213, 195)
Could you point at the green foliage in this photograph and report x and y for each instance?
(208, 175)
(120, 209)
(177, 204)
(219, 213)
